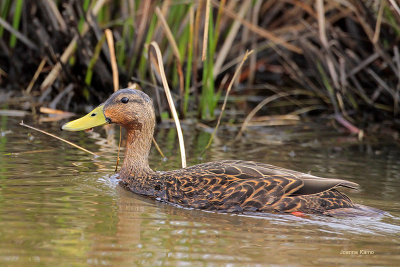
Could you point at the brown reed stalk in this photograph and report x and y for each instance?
(170, 102)
(59, 138)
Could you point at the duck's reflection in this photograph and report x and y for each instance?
(150, 232)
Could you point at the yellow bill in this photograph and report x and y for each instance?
(94, 118)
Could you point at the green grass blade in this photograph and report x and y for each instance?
(4, 8)
(208, 99)
(143, 59)
(93, 60)
(189, 62)
(85, 7)
(16, 21)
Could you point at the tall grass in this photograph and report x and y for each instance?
(4, 10)
(345, 53)
(16, 21)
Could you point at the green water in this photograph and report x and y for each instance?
(61, 207)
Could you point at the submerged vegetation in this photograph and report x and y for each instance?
(334, 58)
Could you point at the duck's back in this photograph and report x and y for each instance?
(255, 187)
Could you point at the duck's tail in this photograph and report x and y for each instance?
(358, 210)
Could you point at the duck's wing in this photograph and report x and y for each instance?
(243, 185)
(298, 183)
(218, 186)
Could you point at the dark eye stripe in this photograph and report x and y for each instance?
(124, 100)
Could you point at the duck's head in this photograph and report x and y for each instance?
(129, 108)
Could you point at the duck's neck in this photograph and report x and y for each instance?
(138, 144)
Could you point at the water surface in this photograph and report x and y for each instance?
(60, 206)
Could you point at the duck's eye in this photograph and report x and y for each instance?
(93, 114)
(124, 100)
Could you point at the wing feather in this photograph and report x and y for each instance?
(235, 185)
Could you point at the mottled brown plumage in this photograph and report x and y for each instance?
(228, 185)
(238, 186)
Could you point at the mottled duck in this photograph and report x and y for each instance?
(227, 185)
